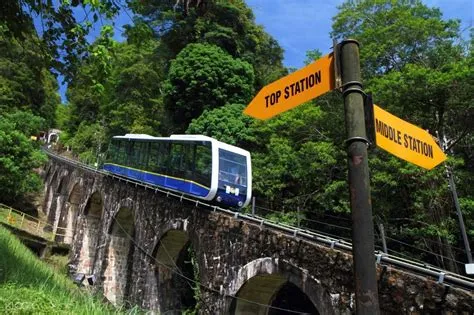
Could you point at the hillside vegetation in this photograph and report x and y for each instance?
(188, 66)
(30, 286)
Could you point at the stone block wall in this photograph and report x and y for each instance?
(116, 270)
(230, 254)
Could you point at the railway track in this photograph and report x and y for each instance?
(418, 268)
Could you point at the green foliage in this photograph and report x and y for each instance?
(29, 286)
(25, 122)
(137, 106)
(63, 42)
(128, 99)
(88, 142)
(392, 33)
(205, 77)
(19, 155)
(195, 285)
(58, 262)
(312, 56)
(63, 113)
(227, 24)
(25, 82)
(226, 123)
(417, 67)
(288, 218)
(297, 163)
(193, 65)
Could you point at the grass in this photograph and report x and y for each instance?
(29, 286)
(58, 263)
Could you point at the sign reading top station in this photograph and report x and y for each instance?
(294, 89)
(405, 140)
(393, 134)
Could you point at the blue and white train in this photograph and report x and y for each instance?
(195, 165)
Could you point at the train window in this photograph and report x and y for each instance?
(187, 159)
(176, 153)
(132, 158)
(122, 153)
(128, 152)
(138, 154)
(164, 156)
(203, 163)
(232, 169)
(115, 151)
(153, 157)
(112, 153)
(143, 160)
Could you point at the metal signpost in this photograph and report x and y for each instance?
(402, 139)
(367, 301)
(308, 83)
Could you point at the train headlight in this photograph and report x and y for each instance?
(240, 203)
(219, 198)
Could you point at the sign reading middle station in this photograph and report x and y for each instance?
(405, 140)
(296, 88)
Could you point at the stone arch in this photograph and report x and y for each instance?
(62, 185)
(174, 271)
(46, 171)
(58, 200)
(118, 263)
(55, 172)
(49, 191)
(267, 282)
(53, 137)
(69, 213)
(91, 230)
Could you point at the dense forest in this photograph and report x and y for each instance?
(191, 66)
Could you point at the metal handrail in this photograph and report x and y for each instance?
(442, 276)
(25, 219)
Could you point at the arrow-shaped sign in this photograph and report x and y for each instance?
(294, 89)
(405, 140)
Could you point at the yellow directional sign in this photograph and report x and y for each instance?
(405, 140)
(294, 89)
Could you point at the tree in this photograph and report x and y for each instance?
(25, 81)
(392, 33)
(123, 97)
(136, 102)
(205, 77)
(63, 42)
(19, 156)
(415, 64)
(229, 25)
(88, 142)
(226, 123)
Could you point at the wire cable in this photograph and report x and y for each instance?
(194, 281)
(424, 250)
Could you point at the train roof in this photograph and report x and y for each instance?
(172, 137)
(183, 137)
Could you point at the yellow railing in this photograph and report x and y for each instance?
(32, 225)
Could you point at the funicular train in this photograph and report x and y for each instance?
(195, 165)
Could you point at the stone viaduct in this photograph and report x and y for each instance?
(140, 247)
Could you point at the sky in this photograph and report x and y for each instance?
(303, 25)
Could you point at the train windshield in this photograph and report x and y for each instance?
(232, 169)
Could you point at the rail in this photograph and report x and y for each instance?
(32, 225)
(440, 275)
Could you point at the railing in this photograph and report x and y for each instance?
(32, 225)
(442, 276)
